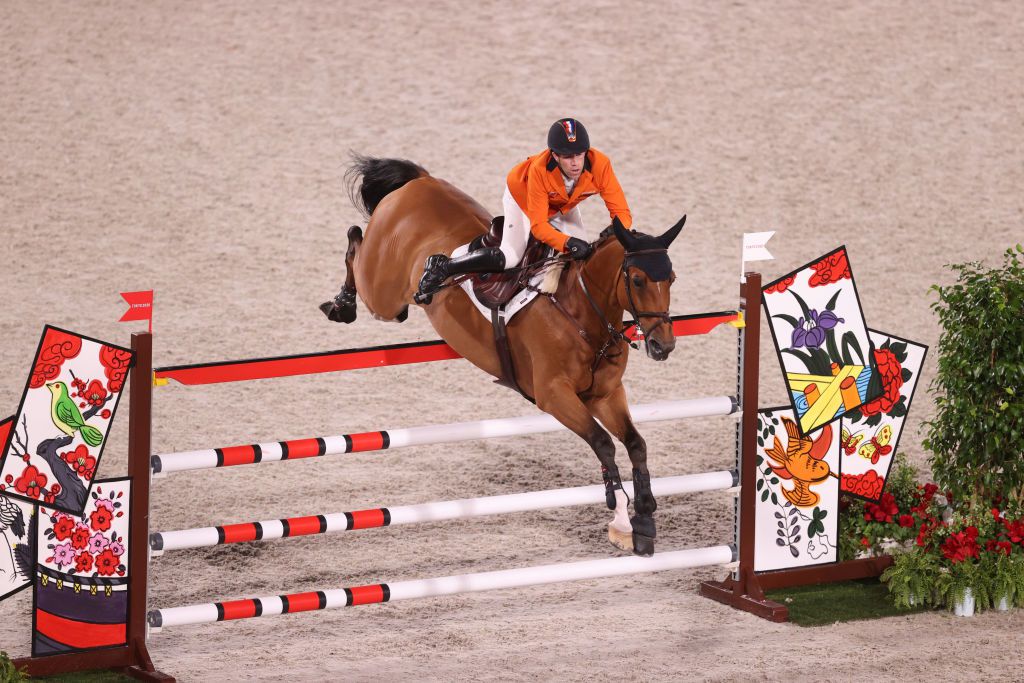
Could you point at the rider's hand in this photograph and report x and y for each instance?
(577, 249)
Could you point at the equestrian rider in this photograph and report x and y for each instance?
(542, 197)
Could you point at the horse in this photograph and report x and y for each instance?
(569, 349)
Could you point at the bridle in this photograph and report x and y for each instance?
(662, 316)
(616, 336)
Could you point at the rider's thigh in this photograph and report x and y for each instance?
(516, 232)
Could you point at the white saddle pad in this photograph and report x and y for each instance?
(518, 302)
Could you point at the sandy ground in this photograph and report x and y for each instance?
(200, 153)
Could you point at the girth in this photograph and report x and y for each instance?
(501, 345)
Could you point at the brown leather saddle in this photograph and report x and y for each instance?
(494, 290)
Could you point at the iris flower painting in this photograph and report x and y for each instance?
(819, 332)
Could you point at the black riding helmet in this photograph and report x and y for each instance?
(568, 137)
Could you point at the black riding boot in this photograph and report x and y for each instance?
(439, 268)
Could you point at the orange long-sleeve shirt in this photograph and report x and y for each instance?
(538, 187)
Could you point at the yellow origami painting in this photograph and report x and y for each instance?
(818, 328)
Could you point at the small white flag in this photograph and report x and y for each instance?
(754, 246)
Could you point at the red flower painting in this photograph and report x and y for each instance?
(830, 269)
(891, 373)
(100, 519)
(780, 286)
(31, 482)
(106, 563)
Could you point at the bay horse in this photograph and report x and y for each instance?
(569, 351)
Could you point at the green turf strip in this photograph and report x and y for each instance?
(828, 603)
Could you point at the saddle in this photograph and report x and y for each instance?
(494, 290)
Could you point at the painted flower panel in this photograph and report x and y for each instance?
(818, 328)
(55, 443)
(82, 573)
(871, 433)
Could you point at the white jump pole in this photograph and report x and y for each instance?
(449, 585)
(420, 436)
(163, 541)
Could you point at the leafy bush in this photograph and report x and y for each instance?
(977, 436)
(9, 674)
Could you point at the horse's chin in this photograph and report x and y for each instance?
(658, 353)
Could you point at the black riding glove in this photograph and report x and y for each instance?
(578, 249)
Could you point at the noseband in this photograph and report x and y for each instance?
(662, 316)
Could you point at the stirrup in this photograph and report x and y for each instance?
(435, 272)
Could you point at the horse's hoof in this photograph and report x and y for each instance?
(404, 315)
(338, 314)
(643, 545)
(623, 540)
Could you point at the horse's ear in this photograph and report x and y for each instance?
(672, 233)
(621, 234)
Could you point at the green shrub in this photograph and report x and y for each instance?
(9, 674)
(977, 436)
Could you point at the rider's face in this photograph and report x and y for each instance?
(572, 165)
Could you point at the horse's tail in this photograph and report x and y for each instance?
(370, 180)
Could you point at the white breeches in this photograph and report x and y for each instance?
(516, 233)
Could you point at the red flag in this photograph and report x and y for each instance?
(140, 307)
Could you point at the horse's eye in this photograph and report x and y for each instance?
(638, 281)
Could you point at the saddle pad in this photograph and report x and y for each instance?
(516, 304)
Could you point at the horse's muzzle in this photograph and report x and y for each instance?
(659, 350)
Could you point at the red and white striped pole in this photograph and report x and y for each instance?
(420, 436)
(449, 585)
(426, 512)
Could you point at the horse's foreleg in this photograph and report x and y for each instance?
(343, 308)
(613, 411)
(558, 398)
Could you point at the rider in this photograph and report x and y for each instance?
(542, 197)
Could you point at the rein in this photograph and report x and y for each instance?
(615, 336)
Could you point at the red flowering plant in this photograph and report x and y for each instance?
(965, 550)
(870, 529)
(1003, 558)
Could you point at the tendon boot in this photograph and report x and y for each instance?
(439, 268)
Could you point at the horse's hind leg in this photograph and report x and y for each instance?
(613, 411)
(343, 308)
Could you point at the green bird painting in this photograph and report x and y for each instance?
(66, 416)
